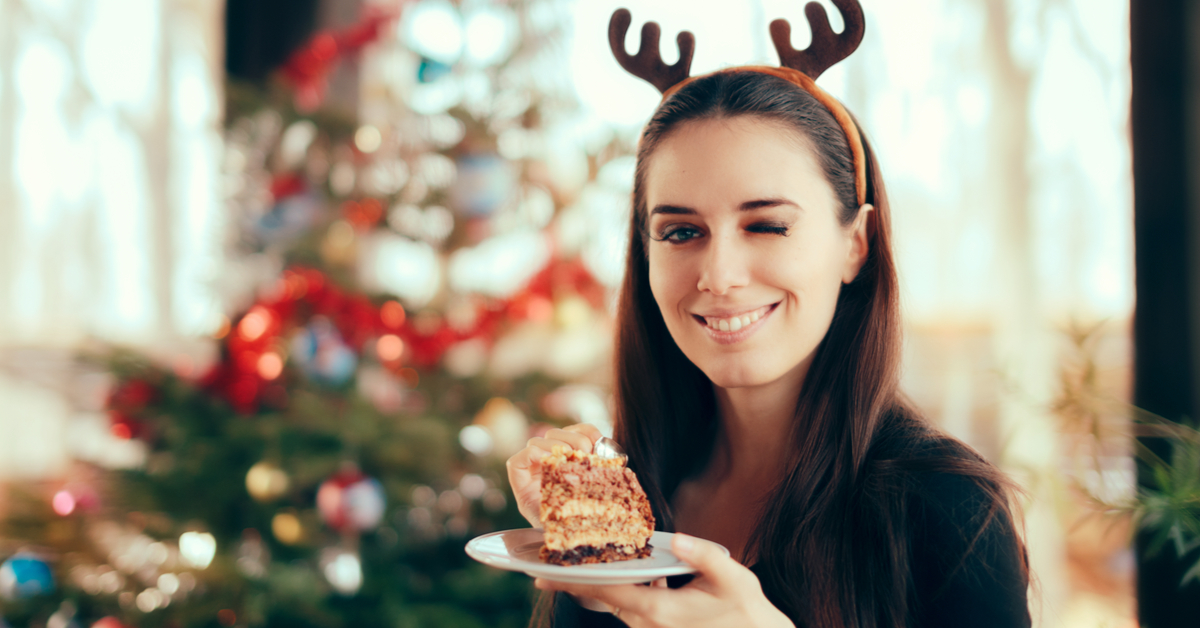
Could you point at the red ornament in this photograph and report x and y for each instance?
(351, 501)
(286, 185)
(392, 315)
(131, 395)
(125, 404)
(108, 622)
(124, 426)
(363, 214)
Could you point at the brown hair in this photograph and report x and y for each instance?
(833, 541)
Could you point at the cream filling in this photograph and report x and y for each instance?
(593, 538)
(590, 508)
(631, 531)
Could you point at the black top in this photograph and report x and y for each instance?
(955, 582)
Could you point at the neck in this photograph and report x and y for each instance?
(755, 425)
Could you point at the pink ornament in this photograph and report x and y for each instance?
(63, 503)
(351, 501)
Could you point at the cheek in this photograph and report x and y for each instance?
(811, 271)
(665, 280)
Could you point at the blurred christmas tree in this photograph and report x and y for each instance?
(413, 291)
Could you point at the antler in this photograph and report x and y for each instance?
(826, 48)
(647, 63)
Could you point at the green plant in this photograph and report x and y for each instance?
(1166, 503)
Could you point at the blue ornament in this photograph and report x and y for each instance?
(484, 183)
(322, 354)
(288, 219)
(431, 70)
(25, 575)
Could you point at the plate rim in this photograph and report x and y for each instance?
(584, 574)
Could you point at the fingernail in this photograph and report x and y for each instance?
(684, 543)
(538, 583)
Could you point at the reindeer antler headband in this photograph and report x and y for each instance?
(799, 67)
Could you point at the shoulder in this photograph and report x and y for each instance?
(952, 512)
(969, 564)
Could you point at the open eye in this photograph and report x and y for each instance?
(678, 234)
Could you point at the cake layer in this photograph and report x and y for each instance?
(586, 554)
(585, 507)
(564, 534)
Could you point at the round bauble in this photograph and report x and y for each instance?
(266, 482)
(351, 501)
(25, 575)
(323, 354)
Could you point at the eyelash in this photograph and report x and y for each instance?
(773, 228)
(769, 228)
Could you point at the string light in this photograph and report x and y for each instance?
(270, 365)
(390, 348)
(254, 324)
(197, 549)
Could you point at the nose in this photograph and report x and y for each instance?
(725, 265)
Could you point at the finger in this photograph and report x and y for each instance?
(544, 446)
(576, 440)
(709, 559)
(524, 459)
(630, 598)
(587, 429)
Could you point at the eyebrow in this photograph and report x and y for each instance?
(761, 203)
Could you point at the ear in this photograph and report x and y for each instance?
(857, 255)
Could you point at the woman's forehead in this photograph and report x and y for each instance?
(725, 160)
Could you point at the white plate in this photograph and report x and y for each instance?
(517, 550)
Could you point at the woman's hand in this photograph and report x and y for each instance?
(525, 467)
(724, 593)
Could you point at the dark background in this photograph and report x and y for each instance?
(1165, 55)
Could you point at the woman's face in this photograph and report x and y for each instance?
(746, 253)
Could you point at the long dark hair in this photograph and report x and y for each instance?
(832, 542)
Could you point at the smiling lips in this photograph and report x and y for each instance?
(727, 328)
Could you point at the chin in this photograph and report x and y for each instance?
(741, 376)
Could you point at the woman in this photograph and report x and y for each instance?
(757, 364)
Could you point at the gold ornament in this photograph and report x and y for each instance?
(286, 527)
(266, 482)
(339, 246)
(507, 425)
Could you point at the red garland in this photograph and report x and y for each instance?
(250, 374)
(426, 346)
(308, 68)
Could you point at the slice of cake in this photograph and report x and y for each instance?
(593, 510)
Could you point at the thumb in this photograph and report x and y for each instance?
(710, 559)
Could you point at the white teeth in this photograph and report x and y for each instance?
(734, 323)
